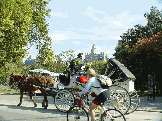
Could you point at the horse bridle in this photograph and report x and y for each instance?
(19, 81)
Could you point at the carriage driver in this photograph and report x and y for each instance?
(72, 63)
(93, 86)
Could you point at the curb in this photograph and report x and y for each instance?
(160, 111)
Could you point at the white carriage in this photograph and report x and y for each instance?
(121, 76)
(123, 95)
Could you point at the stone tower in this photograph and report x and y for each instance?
(94, 56)
(93, 50)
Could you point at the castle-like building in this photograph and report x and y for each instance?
(94, 56)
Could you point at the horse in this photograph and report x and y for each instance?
(31, 84)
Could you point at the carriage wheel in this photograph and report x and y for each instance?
(119, 99)
(64, 99)
(135, 100)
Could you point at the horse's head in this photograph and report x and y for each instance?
(14, 78)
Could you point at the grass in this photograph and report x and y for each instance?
(8, 91)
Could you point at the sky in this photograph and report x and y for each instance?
(78, 24)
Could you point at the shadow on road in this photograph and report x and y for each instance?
(38, 99)
(41, 110)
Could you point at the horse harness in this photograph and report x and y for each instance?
(18, 80)
(24, 82)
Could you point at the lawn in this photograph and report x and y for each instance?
(8, 91)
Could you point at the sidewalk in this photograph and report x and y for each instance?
(150, 105)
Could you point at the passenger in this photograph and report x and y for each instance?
(101, 95)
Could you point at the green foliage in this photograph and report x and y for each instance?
(140, 49)
(18, 67)
(98, 66)
(38, 34)
(23, 22)
(46, 56)
(16, 18)
(61, 61)
(148, 45)
(131, 36)
(78, 63)
(7, 91)
(153, 26)
(67, 56)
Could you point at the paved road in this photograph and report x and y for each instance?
(26, 112)
(147, 110)
(10, 112)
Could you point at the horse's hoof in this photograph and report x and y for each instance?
(35, 105)
(18, 104)
(45, 107)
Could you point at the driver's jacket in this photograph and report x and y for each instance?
(93, 85)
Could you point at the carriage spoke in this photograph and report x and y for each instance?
(64, 100)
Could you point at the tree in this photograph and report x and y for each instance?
(16, 18)
(62, 61)
(154, 21)
(148, 53)
(59, 66)
(46, 56)
(22, 22)
(67, 56)
(154, 25)
(138, 51)
(98, 66)
(131, 36)
(38, 34)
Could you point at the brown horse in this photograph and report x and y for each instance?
(31, 84)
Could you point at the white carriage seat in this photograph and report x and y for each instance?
(74, 83)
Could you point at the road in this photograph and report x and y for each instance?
(27, 112)
(10, 112)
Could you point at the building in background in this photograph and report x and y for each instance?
(94, 56)
(29, 60)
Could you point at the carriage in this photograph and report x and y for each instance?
(123, 95)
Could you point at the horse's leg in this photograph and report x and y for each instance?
(42, 91)
(45, 100)
(31, 97)
(43, 103)
(21, 96)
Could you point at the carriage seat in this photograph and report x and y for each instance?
(65, 79)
